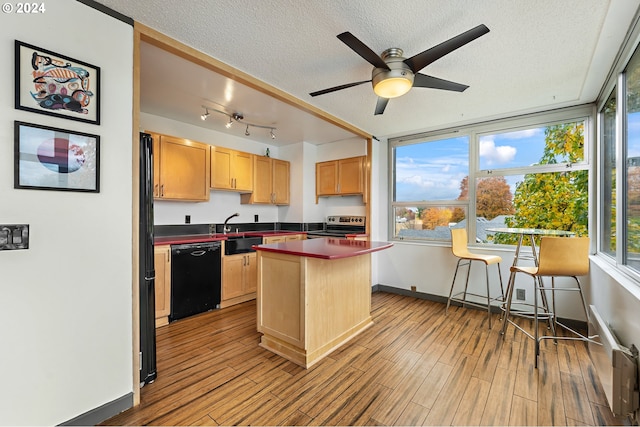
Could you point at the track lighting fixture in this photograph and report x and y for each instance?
(238, 117)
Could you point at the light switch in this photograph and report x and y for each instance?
(14, 236)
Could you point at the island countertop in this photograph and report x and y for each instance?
(325, 248)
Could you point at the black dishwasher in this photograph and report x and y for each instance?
(195, 278)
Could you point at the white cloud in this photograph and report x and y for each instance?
(496, 155)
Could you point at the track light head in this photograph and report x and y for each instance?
(229, 123)
(273, 135)
(205, 115)
(246, 132)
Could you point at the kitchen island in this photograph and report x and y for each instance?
(313, 295)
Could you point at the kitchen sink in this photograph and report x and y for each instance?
(241, 244)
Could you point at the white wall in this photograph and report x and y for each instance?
(617, 299)
(65, 304)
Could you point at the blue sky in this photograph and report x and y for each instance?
(633, 141)
(434, 170)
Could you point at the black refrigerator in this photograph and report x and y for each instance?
(147, 269)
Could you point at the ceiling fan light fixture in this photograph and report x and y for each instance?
(392, 87)
(395, 81)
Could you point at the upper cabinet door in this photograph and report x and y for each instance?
(262, 186)
(184, 169)
(350, 175)
(221, 159)
(243, 171)
(281, 180)
(327, 178)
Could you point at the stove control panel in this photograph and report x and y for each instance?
(346, 220)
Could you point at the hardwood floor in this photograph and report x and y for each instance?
(415, 366)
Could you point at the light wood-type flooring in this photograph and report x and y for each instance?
(414, 366)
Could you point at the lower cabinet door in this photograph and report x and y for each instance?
(232, 272)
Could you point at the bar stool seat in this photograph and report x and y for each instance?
(559, 257)
(465, 257)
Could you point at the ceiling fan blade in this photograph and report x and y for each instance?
(333, 89)
(362, 49)
(421, 60)
(422, 80)
(381, 105)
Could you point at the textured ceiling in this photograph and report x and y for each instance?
(538, 55)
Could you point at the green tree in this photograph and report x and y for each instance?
(555, 200)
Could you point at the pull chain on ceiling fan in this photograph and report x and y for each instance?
(393, 75)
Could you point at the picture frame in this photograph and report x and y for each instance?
(48, 158)
(56, 85)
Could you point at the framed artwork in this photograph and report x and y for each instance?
(56, 85)
(48, 158)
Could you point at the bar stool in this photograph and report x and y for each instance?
(558, 257)
(460, 250)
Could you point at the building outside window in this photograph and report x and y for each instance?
(526, 172)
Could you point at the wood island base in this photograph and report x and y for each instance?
(308, 307)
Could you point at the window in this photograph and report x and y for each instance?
(427, 174)
(632, 170)
(539, 180)
(526, 172)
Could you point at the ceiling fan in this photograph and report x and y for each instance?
(393, 75)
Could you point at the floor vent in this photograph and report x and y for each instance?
(617, 366)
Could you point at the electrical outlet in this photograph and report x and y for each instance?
(14, 236)
(413, 289)
(187, 219)
(521, 294)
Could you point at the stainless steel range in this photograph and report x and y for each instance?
(340, 226)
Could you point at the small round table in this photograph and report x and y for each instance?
(531, 233)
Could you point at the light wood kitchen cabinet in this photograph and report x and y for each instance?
(162, 265)
(271, 182)
(239, 278)
(283, 238)
(340, 177)
(180, 169)
(231, 170)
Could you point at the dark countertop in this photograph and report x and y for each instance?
(198, 238)
(325, 248)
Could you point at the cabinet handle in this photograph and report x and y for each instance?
(248, 260)
(162, 190)
(155, 190)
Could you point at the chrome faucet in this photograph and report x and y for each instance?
(226, 229)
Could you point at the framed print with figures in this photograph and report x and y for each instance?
(56, 85)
